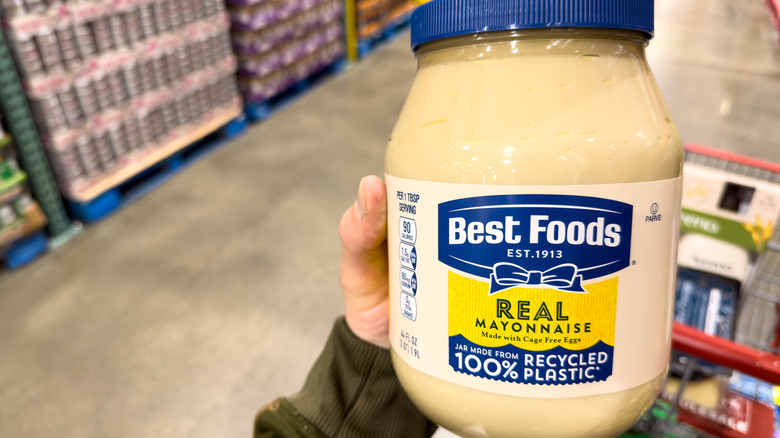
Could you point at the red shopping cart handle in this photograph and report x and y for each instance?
(765, 366)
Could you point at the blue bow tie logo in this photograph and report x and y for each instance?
(562, 277)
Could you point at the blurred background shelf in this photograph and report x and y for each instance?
(370, 23)
(284, 48)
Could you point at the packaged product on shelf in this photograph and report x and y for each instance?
(146, 127)
(119, 142)
(87, 153)
(49, 113)
(187, 12)
(709, 276)
(71, 107)
(175, 17)
(132, 133)
(275, 41)
(267, 86)
(69, 50)
(103, 92)
(12, 7)
(20, 215)
(8, 168)
(7, 216)
(131, 78)
(24, 218)
(254, 17)
(84, 41)
(35, 6)
(118, 89)
(66, 164)
(168, 112)
(49, 51)
(104, 150)
(29, 58)
(107, 81)
(371, 15)
(374, 16)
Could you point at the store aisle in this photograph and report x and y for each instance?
(187, 311)
(182, 314)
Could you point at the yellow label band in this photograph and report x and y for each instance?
(532, 335)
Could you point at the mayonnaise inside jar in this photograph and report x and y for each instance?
(533, 205)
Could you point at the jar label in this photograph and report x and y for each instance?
(533, 290)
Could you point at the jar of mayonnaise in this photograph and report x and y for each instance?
(533, 204)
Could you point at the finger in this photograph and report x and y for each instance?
(363, 231)
(364, 226)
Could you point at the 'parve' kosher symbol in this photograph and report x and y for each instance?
(562, 277)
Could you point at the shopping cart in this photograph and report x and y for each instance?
(747, 368)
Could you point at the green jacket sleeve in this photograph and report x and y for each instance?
(351, 392)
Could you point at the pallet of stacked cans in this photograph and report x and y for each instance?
(117, 85)
(280, 43)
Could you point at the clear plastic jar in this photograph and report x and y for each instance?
(506, 138)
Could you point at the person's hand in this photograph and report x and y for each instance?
(364, 271)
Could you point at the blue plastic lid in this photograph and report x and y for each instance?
(448, 18)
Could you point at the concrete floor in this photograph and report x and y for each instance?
(182, 314)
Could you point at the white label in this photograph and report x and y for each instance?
(537, 291)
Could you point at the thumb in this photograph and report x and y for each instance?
(363, 227)
(364, 271)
